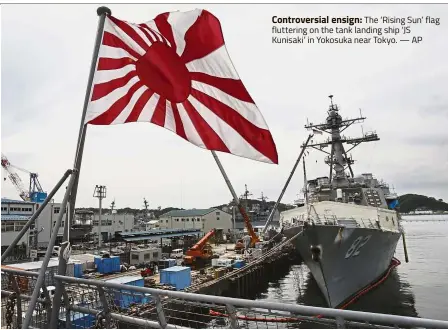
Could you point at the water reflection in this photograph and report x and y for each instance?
(393, 296)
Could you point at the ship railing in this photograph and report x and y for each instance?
(99, 304)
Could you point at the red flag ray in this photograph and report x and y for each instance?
(114, 63)
(107, 117)
(146, 33)
(179, 125)
(139, 105)
(211, 140)
(158, 117)
(232, 139)
(131, 33)
(165, 28)
(258, 138)
(112, 40)
(232, 87)
(203, 37)
(246, 109)
(103, 89)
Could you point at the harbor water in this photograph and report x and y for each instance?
(418, 288)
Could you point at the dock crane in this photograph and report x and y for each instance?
(34, 193)
(200, 253)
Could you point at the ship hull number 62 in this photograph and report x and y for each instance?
(356, 246)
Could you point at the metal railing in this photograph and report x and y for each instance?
(100, 304)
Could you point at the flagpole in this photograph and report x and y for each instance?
(271, 215)
(62, 267)
(236, 199)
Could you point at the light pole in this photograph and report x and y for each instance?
(100, 193)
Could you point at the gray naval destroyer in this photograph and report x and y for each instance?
(350, 226)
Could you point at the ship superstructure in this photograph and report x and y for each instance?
(349, 224)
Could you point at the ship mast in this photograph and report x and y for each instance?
(337, 158)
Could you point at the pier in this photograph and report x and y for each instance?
(106, 305)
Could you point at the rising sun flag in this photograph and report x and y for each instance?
(175, 72)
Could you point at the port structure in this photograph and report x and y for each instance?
(338, 158)
(100, 193)
(91, 303)
(35, 193)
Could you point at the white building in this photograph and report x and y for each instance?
(112, 224)
(16, 213)
(204, 219)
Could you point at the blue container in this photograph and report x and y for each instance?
(238, 264)
(177, 276)
(78, 320)
(124, 298)
(78, 270)
(107, 265)
(38, 197)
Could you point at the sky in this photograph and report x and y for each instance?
(45, 61)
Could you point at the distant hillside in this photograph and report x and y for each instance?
(159, 211)
(128, 210)
(411, 202)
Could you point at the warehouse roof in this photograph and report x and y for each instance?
(188, 213)
(7, 200)
(14, 217)
(157, 233)
(125, 279)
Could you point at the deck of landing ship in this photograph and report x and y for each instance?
(99, 304)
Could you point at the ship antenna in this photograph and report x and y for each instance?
(331, 99)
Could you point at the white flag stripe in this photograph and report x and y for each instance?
(110, 27)
(170, 123)
(141, 34)
(148, 109)
(121, 118)
(104, 76)
(155, 31)
(234, 141)
(190, 131)
(245, 109)
(112, 52)
(97, 107)
(154, 35)
(182, 21)
(216, 64)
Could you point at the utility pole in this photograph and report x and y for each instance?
(100, 193)
(146, 205)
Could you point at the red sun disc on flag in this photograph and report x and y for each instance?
(175, 72)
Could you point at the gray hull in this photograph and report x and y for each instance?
(349, 261)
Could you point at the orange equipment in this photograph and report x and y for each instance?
(200, 253)
(253, 237)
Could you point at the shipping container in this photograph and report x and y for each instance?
(77, 320)
(166, 263)
(145, 255)
(78, 271)
(124, 298)
(107, 265)
(221, 262)
(177, 276)
(239, 264)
